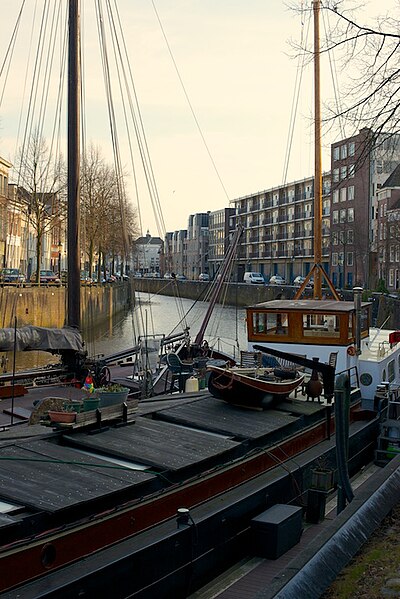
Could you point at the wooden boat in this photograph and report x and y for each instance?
(252, 387)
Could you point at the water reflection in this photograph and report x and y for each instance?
(155, 315)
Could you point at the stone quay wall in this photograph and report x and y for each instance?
(46, 306)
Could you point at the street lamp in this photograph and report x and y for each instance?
(59, 258)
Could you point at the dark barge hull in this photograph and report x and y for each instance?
(235, 468)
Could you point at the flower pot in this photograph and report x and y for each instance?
(90, 403)
(65, 417)
(73, 406)
(111, 398)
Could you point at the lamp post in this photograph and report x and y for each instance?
(59, 258)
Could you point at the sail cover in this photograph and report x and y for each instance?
(40, 338)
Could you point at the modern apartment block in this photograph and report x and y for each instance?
(175, 252)
(220, 225)
(279, 229)
(197, 245)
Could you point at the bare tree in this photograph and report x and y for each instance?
(369, 57)
(107, 217)
(40, 191)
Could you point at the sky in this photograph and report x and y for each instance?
(237, 62)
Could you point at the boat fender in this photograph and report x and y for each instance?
(351, 351)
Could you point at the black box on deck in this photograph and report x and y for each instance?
(276, 530)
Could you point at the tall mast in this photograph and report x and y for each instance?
(317, 159)
(74, 93)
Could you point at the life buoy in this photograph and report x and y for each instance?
(351, 351)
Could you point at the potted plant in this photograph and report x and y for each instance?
(110, 395)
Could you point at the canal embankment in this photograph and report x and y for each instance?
(46, 306)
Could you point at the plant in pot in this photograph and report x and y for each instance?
(113, 394)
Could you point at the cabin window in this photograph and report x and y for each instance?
(270, 324)
(259, 322)
(321, 325)
(391, 372)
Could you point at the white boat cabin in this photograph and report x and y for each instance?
(320, 328)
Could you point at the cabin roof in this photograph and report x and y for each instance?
(284, 305)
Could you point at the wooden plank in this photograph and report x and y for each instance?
(157, 444)
(52, 486)
(217, 416)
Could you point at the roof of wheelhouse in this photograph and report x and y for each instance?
(308, 305)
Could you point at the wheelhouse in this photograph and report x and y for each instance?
(310, 322)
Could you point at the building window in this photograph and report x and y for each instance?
(335, 239)
(391, 277)
(350, 215)
(336, 175)
(350, 236)
(342, 237)
(334, 259)
(335, 196)
(349, 259)
(352, 148)
(397, 253)
(352, 169)
(343, 216)
(343, 152)
(391, 253)
(343, 194)
(343, 172)
(350, 193)
(335, 217)
(336, 153)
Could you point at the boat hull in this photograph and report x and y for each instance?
(240, 388)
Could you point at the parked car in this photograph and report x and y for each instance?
(137, 275)
(253, 277)
(11, 275)
(299, 280)
(168, 275)
(277, 280)
(204, 276)
(180, 278)
(47, 277)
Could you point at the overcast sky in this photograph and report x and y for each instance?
(239, 71)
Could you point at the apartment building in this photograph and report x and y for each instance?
(220, 225)
(388, 231)
(197, 245)
(359, 165)
(279, 229)
(175, 252)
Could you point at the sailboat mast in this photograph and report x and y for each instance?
(74, 92)
(317, 158)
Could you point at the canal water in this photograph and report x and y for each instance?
(156, 314)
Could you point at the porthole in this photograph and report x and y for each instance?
(366, 379)
(48, 556)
